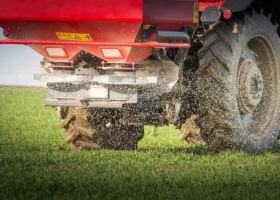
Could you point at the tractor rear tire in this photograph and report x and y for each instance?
(84, 134)
(238, 83)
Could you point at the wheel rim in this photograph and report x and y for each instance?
(257, 86)
(250, 87)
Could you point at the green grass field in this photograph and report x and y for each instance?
(33, 166)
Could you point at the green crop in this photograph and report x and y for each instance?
(35, 162)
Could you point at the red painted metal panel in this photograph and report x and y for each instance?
(72, 10)
(103, 32)
(109, 23)
(169, 14)
(99, 31)
(203, 5)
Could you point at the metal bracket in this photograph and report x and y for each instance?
(180, 59)
(128, 44)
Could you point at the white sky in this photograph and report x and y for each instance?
(18, 64)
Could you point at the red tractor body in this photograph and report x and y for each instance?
(59, 30)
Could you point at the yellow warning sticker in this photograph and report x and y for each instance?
(74, 36)
(195, 13)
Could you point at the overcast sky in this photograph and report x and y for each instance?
(18, 63)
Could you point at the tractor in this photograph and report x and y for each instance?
(112, 67)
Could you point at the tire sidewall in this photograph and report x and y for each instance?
(257, 25)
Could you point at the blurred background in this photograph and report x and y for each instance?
(18, 64)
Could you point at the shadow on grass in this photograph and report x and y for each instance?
(195, 149)
(277, 151)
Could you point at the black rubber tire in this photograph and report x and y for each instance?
(85, 134)
(218, 115)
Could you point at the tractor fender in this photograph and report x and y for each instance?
(237, 5)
